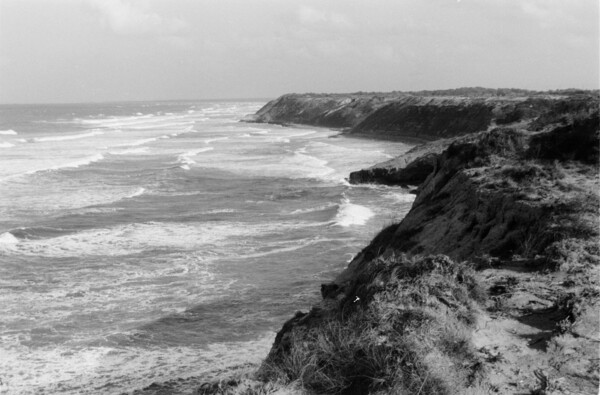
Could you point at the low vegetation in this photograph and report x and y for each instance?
(405, 331)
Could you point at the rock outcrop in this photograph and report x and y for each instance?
(488, 285)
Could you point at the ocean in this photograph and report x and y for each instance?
(148, 241)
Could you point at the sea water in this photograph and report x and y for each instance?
(142, 242)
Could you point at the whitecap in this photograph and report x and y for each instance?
(6, 132)
(186, 158)
(133, 238)
(8, 238)
(313, 209)
(74, 164)
(104, 369)
(303, 134)
(352, 214)
(138, 192)
(68, 137)
(130, 151)
(81, 162)
(401, 197)
(156, 126)
(316, 168)
(208, 141)
(140, 142)
(6, 145)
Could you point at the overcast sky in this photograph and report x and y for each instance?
(110, 50)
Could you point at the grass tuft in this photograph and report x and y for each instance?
(409, 334)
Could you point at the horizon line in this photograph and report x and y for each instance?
(591, 90)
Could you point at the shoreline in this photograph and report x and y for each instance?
(534, 171)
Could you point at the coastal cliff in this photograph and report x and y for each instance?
(490, 282)
(423, 115)
(488, 285)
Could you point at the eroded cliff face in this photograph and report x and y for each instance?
(533, 114)
(421, 115)
(333, 111)
(510, 305)
(430, 118)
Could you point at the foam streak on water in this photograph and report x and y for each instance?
(142, 242)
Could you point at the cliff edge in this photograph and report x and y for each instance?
(490, 284)
(423, 115)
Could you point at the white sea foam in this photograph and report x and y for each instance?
(68, 137)
(286, 246)
(6, 145)
(120, 240)
(313, 209)
(8, 238)
(301, 134)
(7, 132)
(139, 237)
(352, 214)
(80, 162)
(186, 158)
(313, 166)
(400, 197)
(148, 121)
(74, 164)
(220, 211)
(104, 369)
(139, 142)
(153, 126)
(208, 141)
(130, 151)
(138, 192)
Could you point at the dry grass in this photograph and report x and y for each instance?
(409, 333)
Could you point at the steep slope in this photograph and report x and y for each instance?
(421, 115)
(334, 111)
(534, 114)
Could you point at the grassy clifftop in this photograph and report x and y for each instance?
(426, 115)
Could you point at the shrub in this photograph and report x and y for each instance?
(408, 333)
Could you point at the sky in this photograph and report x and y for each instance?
(60, 51)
